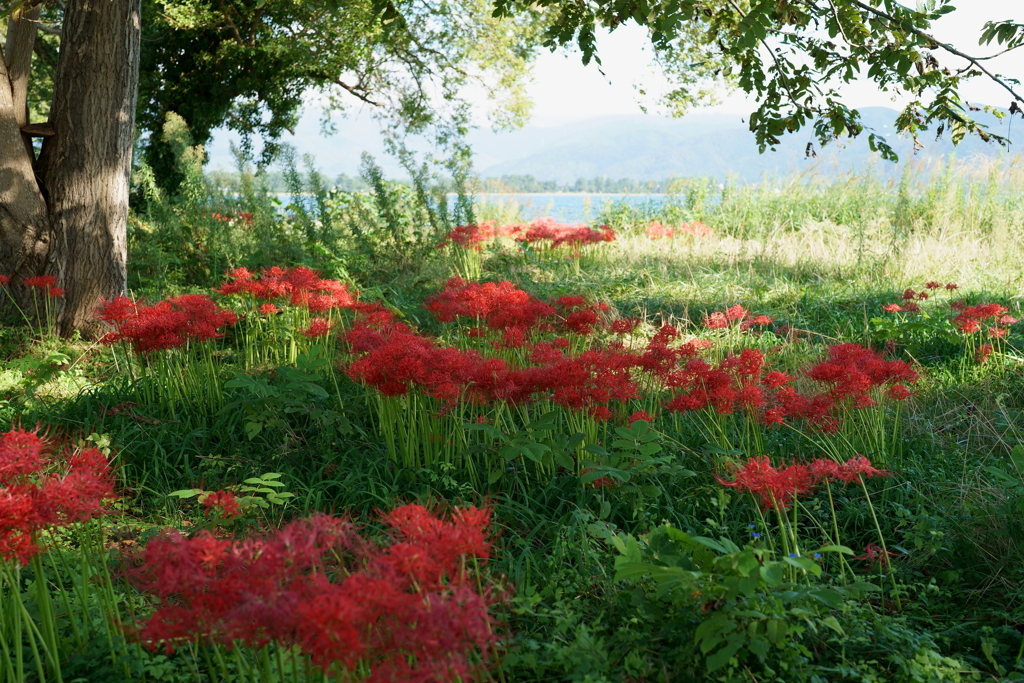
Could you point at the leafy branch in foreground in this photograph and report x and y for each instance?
(795, 56)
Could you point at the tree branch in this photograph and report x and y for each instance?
(945, 46)
(357, 91)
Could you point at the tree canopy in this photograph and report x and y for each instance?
(795, 56)
(248, 64)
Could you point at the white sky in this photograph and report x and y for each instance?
(564, 90)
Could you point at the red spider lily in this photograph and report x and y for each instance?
(640, 415)
(578, 316)
(299, 286)
(950, 286)
(624, 326)
(318, 327)
(165, 325)
(873, 554)
(970, 319)
(500, 305)
(224, 502)
(852, 370)
(773, 488)
(898, 392)
(756, 321)
(735, 384)
(933, 285)
(735, 315)
(269, 309)
(892, 308)
(984, 351)
(557, 235)
(600, 482)
(39, 493)
(656, 231)
(477, 235)
(41, 282)
(45, 283)
(4, 280)
(416, 600)
(845, 472)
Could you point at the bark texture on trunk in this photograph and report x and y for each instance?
(85, 166)
(24, 223)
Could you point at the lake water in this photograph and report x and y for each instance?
(568, 207)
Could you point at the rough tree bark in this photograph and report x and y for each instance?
(65, 214)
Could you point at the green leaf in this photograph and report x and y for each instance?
(833, 624)
(776, 630)
(563, 459)
(650, 491)
(773, 574)
(722, 657)
(711, 543)
(804, 563)
(185, 493)
(827, 596)
(835, 549)
(495, 475)
(1017, 457)
(252, 429)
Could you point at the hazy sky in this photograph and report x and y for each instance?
(564, 90)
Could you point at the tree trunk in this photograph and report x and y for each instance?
(24, 223)
(80, 234)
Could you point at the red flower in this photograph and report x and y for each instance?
(4, 280)
(716, 321)
(319, 327)
(770, 486)
(951, 286)
(899, 392)
(166, 325)
(21, 453)
(37, 493)
(984, 351)
(873, 554)
(223, 501)
(41, 281)
(656, 230)
(625, 326)
(640, 415)
(892, 308)
(933, 285)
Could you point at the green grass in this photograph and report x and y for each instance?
(821, 256)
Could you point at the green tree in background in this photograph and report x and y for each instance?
(249, 64)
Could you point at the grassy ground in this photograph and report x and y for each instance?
(821, 258)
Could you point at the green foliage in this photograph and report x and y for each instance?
(292, 400)
(795, 58)
(753, 612)
(253, 62)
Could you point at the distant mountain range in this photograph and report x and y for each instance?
(631, 146)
